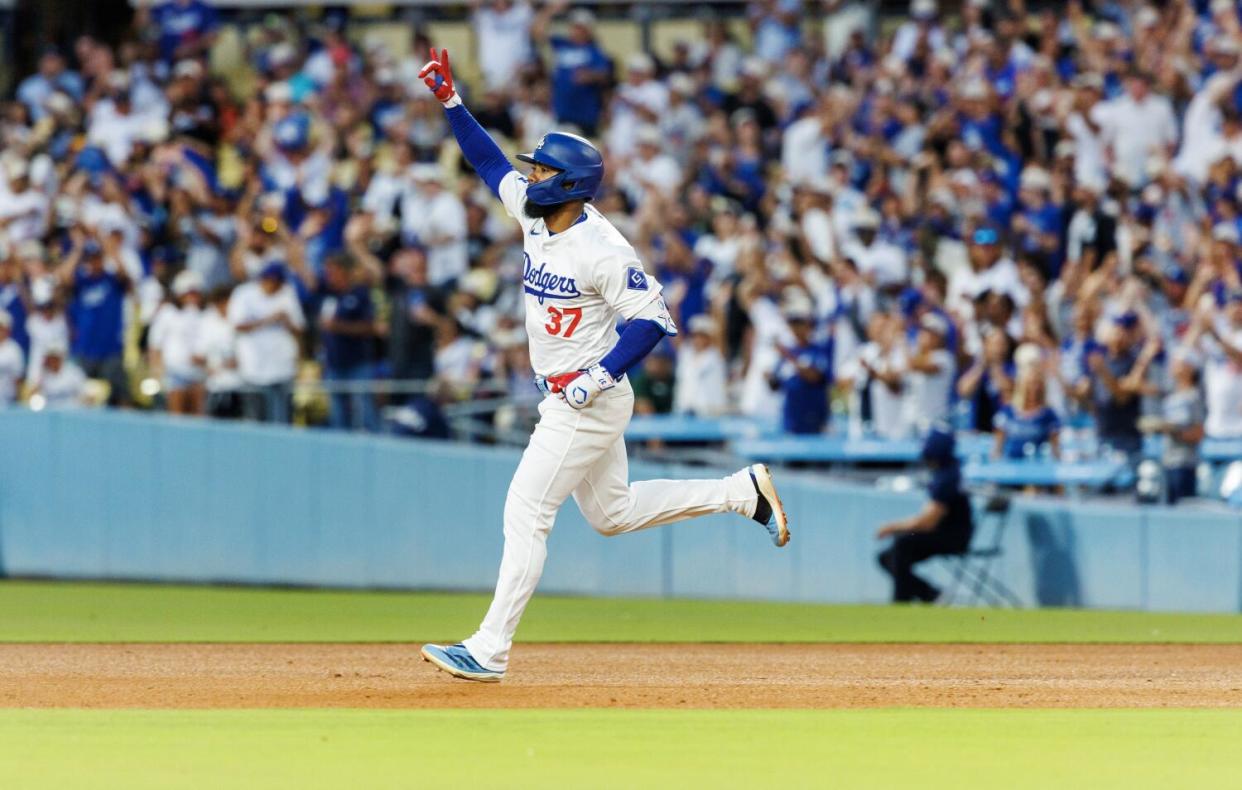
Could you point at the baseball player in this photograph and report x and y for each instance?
(581, 276)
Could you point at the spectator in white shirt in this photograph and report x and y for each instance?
(502, 39)
(434, 218)
(216, 352)
(650, 170)
(804, 144)
(268, 320)
(878, 382)
(814, 207)
(702, 374)
(172, 342)
(1220, 336)
(1090, 163)
(989, 270)
(11, 362)
(46, 324)
(59, 384)
(639, 101)
(1137, 126)
(881, 264)
(922, 28)
(682, 124)
(23, 207)
(930, 374)
(114, 126)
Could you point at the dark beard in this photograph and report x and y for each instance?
(536, 211)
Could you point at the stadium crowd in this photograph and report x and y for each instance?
(1013, 218)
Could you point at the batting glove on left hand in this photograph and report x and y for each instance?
(438, 76)
(582, 389)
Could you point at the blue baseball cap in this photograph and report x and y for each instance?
(1126, 320)
(909, 301)
(985, 235)
(1176, 275)
(274, 270)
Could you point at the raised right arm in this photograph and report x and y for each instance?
(476, 144)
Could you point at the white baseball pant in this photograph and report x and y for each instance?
(583, 453)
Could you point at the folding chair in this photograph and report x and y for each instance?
(973, 568)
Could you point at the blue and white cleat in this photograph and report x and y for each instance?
(457, 661)
(769, 511)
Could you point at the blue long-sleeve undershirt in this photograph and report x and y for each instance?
(637, 340)
(478, 147)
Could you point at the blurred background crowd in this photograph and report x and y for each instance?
(1021, 218)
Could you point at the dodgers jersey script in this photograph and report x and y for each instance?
(577, 283)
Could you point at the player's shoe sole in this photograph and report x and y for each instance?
(767, 489)
(445, 661)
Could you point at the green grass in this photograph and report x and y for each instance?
(71, 612)
(616, 748)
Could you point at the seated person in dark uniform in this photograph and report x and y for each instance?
(943, 526)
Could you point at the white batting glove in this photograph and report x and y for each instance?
(579, 392)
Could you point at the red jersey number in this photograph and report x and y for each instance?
(557, 317)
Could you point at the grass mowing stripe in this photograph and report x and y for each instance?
(82, 612)
(928, 748)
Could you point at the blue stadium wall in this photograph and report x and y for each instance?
(111, 495)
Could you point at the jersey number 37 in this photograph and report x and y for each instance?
(563, 321)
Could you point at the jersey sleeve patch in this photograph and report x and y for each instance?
(635, 279)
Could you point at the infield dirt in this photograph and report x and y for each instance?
(623, 675)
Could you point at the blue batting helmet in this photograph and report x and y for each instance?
(580, 163)
(940, 447)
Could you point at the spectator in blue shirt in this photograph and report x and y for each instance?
(804, 374)
(1027, 425)
(53, 76)
(581, 71)
(347, 329)
(98, 286)
(943, 526)
(186, 28)
(1118, 383)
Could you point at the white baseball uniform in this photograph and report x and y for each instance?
(578, 282)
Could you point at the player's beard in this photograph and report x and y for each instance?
(536, 211)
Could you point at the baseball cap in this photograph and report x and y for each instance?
(702, 324)
(188, 281)
(1226, 232)
(985, 234)
(1176, 274)
(866, 219)
(1126, 320)
(581, 16)
(640, 62)
(273, 271)
(909, 300)
(649, 135)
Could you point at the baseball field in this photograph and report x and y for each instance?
(108, 685)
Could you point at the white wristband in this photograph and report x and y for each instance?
(453, 101)
(602, 378)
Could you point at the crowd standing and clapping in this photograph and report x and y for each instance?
(1021, 218)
